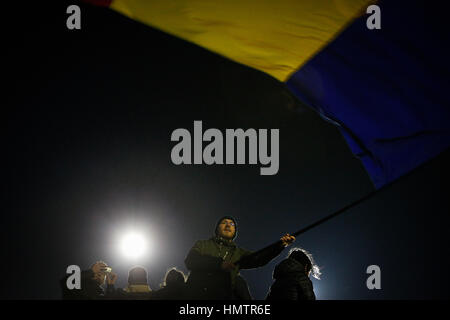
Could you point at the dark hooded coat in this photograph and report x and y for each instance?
(291, 282)
(207, 280)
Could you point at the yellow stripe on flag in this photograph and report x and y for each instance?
(274, 36)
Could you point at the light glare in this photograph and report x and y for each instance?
(133, 245)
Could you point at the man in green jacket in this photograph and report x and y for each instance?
(214, 264)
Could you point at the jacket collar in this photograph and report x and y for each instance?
(224, 241)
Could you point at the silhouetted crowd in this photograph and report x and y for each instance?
(213, 266)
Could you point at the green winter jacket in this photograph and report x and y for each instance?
(207, 280)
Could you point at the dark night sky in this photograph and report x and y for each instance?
(86, 152)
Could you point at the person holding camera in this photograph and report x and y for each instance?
(92, 281)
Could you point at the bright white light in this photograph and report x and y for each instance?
(133, 245)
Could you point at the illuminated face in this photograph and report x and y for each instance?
(227, 229)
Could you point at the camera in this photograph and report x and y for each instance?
(106, 269)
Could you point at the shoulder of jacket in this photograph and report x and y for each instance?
(200, 244)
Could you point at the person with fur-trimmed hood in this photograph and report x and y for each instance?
(292, 277)
(214, 268)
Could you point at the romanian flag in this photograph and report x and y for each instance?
(386, 89)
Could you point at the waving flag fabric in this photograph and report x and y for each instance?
(385, 89)
(272, 36)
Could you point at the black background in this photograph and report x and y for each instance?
(86, 148)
